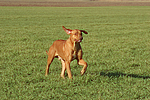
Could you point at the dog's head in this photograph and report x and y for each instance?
(76, 35)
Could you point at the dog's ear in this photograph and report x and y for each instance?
(84, 31)
(68, 31)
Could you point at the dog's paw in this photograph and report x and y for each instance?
(46, 75)
(62, 76)
(83, 71)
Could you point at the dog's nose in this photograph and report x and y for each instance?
(81, 38)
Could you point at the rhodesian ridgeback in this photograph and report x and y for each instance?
(67, 51)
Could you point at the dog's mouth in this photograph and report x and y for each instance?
(78, 41)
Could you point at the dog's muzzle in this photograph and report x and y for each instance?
(80, 40)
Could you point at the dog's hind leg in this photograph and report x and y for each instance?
(51, 56)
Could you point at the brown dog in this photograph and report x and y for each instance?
(66, 51)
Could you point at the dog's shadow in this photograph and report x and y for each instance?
(118, 74)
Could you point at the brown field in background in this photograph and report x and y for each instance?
(74, 3)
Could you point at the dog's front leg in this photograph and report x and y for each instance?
(84, 64)
(67, 64)
(63, 69)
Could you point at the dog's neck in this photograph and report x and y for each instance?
(74, 44)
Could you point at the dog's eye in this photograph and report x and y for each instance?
(75, 33)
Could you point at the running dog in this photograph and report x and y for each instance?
(67, 51)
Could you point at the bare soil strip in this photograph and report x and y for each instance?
(71, 4)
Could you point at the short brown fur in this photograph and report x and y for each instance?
(66, 51)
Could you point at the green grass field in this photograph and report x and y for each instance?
(117, 50)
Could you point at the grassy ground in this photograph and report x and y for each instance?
(117, 50)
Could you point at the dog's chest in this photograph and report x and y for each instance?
(74, 55)
(75, 51)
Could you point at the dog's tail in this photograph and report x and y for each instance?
(47, 52)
